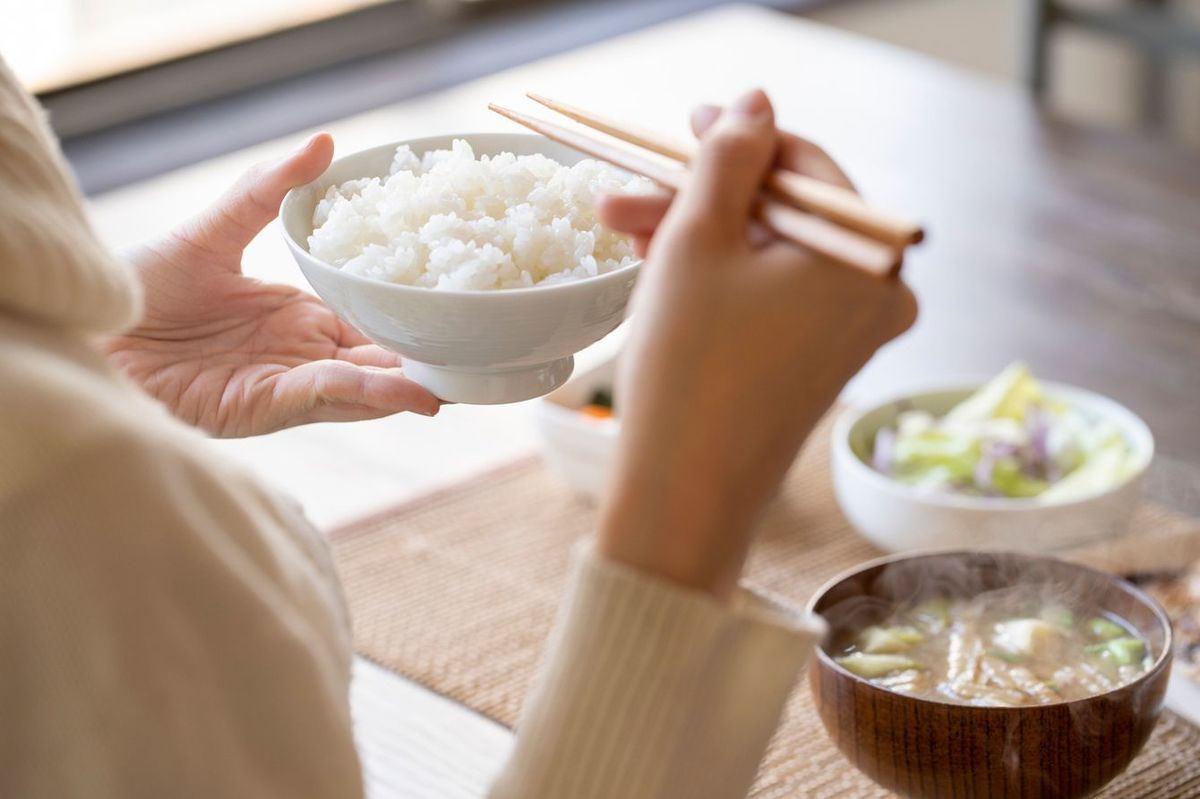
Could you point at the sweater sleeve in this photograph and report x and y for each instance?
(169, 628)
(653, 691)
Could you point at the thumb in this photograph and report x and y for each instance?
(730, 168)
(253, 201)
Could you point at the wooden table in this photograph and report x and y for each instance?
(1075, 250)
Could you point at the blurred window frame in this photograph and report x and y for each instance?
(239, 66)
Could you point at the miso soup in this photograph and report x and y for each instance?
(996, 651)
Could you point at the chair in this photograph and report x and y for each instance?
(1152, 26)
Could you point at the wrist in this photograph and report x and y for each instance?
(685, 536)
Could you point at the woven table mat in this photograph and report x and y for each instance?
(457, 591)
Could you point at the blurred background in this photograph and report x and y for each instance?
(139, 87)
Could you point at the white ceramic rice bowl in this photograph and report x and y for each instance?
(478, 347)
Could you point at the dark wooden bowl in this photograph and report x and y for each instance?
(929, 748)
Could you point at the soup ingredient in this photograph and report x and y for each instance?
(998, 649)
(1025, 636)
(1008, 439)
(866, 665)
(447, 220)
(934, 611)
(890, 639)
(1122, 651)
(1104, 629)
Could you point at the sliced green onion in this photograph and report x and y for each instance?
(1104, 629)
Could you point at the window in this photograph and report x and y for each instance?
(57, 44)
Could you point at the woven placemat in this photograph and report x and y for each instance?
(458, 590)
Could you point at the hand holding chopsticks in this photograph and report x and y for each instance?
(827, 219)
(733, 355)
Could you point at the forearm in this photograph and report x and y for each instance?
(651, 690)
(683, 503)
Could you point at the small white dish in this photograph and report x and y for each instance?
(579, 448)
(477, 347)
(899, 517)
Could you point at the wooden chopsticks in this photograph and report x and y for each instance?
(829, 220)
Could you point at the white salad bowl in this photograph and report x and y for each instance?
(478, 347)
(899, 517)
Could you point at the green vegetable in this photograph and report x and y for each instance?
(1008, 395)
(1106, 466)
(602, 397)
(871, 666)
(935, 457)
(1104, 629)
(1122, 651)
(1009, 480)
(1007, 657)
(875, 640)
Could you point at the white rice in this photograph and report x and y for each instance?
(450, 221)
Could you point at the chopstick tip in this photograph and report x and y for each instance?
(504, 112)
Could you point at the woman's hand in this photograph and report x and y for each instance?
(740, 343)
(239, 357)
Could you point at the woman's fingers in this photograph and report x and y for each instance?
(801, 155)
(333, 390)
(369, 355)
(734, 156)
(640, 215)
(703, 118)
(635, 214)
(253, 201)
(795, 153)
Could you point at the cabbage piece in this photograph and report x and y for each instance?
(1058, 616)
(889, 640)
(1025, 636)
(1103, 469)
(934, 456)
(935, 611)
(1007, 395)
(869, 666)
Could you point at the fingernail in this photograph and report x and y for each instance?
(752, 106)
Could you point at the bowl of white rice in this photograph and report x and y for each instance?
(478, 258)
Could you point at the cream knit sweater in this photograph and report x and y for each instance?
(169, 628)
